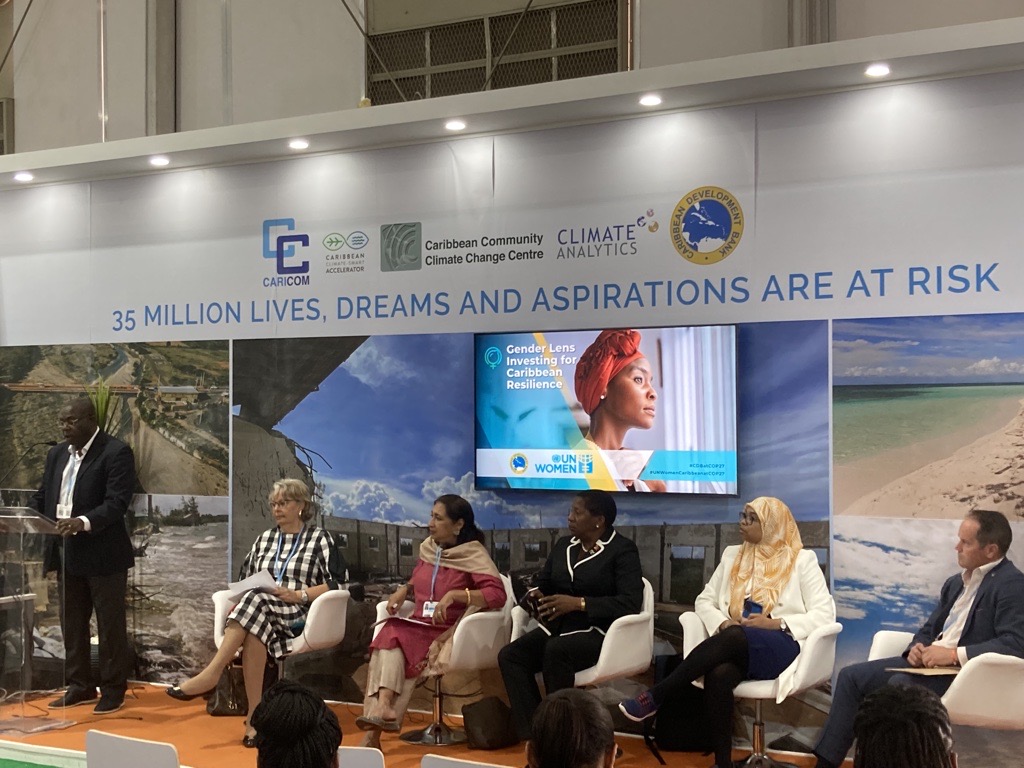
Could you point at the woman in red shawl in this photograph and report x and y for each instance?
(614, 385)
(453, 576)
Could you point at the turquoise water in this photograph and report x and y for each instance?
(867, 420)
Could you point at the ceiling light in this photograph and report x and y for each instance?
(298, 144)
(159, 161)
(877, 70)
(650, 100)
(455, 125)
(23, 176)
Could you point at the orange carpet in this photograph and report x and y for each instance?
(215, 742)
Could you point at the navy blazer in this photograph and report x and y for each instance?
(996, 621)
(103, 489)
(610, 579)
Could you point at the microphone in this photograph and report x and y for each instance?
(21, 458)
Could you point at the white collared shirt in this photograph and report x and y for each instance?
(953, 628)
(70, 477)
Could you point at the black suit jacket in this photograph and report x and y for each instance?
(610, 580)
(103, 489)
(996, 621)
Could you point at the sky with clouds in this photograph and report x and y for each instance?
(929, 350)
(395, 424)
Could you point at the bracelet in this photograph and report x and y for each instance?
(583, 603)
(467, 596)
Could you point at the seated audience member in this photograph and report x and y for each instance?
(980, 610)
(571, 729)
(904, 725)
(295, 729)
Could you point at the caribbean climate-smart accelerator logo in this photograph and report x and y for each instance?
(706, 225)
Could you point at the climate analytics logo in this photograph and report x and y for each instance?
(280, 241)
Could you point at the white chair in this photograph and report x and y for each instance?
(105, 750)
(987, 693)
(475, 645)
(628, 645)
(813, 666)
(360, 757)
(430, 760)
(325, 622)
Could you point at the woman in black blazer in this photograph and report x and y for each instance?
(591, 578)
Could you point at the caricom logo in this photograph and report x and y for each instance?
(401, 247)
(706, 225)
(356, 241)
(281, 248)
(518, 463)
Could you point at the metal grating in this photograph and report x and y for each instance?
(6, 126)
(561, 42)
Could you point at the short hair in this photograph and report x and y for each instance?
(599, 503)
(290, 489)
(82, 405)
(570, 728)
(904, 725)
(457, 508)
(294, 728)
(993, 528)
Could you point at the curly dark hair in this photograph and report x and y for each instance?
(904, 725)
(295, 729)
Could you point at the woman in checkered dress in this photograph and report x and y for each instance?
(297, 555)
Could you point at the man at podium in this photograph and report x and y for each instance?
(88, 482)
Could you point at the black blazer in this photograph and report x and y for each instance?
(610, 579)
(103, 490)
(996, 621)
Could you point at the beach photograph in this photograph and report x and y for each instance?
(927, 416)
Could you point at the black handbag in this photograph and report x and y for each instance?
(681, 723)
(228, 698)
(488, 724)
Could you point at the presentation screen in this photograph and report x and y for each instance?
(640, 410)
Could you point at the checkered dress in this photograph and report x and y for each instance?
(270, 618)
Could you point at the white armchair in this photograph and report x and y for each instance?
(988, 692)
(475, 645)
(325, 622)
(627, 648)
(813, 666)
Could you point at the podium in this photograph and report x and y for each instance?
(17, 601)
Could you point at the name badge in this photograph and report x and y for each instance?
(428, 609)
(63, 511)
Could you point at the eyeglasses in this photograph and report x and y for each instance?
(748, 518)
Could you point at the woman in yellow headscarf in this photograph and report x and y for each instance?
(765, 597)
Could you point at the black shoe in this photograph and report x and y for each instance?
(175, 692)
(249, 742)
(107, 705)
(72, 698)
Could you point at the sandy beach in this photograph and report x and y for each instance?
(980, 466)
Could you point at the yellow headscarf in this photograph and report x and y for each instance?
(770, 562)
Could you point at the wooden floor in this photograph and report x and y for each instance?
(215, 742)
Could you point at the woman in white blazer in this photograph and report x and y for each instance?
(765, 597)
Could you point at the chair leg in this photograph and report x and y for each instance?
(437, 734)
(759, 758)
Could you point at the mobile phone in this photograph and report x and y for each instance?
(751, 608)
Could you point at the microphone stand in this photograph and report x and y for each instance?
(21, 458)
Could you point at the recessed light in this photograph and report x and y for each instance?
(298, 144)
(650, 100)
(159, 161)
(23, 176)
(877, 70)
(455, 125)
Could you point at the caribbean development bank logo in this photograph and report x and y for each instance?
(706, 225)
(401, 247)
(279, 243)
(518, 464)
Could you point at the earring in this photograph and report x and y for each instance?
(602, 397)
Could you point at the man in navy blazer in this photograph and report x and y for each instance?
(980, 610)
(88, 482)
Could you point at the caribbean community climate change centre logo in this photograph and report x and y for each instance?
(706, 225)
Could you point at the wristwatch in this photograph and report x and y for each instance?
(305, 597)
(784, 627)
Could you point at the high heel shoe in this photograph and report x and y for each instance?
(175, 692)
(249, 742)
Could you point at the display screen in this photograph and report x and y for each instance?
(643, 410)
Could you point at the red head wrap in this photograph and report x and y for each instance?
(610, 353)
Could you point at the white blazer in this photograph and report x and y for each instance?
(804, 602)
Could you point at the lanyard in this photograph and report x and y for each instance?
(279, 570)
(433, 577)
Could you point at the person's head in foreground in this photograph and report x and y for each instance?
(295, 729)
(571, 729)
(904, 725)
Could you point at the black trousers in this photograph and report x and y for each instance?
(558, 659)
(80, 596)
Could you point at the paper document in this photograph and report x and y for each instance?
(925, 671)
(261, 582)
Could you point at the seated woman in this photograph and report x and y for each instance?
(766, 596)
(453, 577)
(571, 728)
(615, 388)
(591, 578)
(298, 556)
(295, 729)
